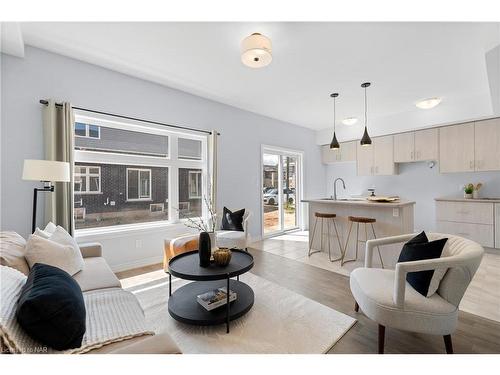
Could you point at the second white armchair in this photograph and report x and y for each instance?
(387, 298)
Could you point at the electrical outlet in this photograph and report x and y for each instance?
(395, 212)
(138, 244)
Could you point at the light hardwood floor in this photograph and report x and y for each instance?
(474, 334)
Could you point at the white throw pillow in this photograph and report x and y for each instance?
(42, 233)
(64, 256)
(438, 274)
(50, 228)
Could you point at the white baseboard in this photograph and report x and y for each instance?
(136, 264)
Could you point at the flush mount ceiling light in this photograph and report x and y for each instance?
(349, 121)
(334, 144)
(428, 103)
(366, 140)
(256, 51)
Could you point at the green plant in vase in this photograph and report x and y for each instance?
(468, 190)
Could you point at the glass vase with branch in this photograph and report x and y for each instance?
(202, 224)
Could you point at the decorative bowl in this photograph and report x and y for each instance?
(222, 257)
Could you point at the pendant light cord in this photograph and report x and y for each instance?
(365, 109)
(334, 115)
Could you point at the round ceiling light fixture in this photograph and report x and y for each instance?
(256, 51)
(350, 120)
(428, 103)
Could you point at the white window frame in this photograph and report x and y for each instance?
(172, 161)
(139, 198)
(198, 175)
(87, 176)
(87, 131)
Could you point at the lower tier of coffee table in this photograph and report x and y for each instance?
(183, 306)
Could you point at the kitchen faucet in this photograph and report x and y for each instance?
(335, 187)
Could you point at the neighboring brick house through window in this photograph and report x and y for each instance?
(125, 173)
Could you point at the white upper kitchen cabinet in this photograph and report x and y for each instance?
(404, 147)
(347, 152)
(456, 148)
(487, 145)
(383, 156)
(426, 145)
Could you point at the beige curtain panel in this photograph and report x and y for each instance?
(58, 123)
(212, 160)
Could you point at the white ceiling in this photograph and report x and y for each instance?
(404, 61)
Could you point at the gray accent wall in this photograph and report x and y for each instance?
(42, 74)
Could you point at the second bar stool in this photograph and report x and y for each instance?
(328, 218)
(359, 220)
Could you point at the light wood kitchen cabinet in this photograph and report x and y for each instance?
(383, 159)
(497, 225)
(420, 145)
(404, 147)
(329, 156)
(347, 152)
(468, 219)
(377, 159)
(456, 148)
(480, 233)
(487, 145)
(364, 160)
(426, 144)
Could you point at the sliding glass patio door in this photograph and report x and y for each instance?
(280, 191)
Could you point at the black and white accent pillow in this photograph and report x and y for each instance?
(420, 248)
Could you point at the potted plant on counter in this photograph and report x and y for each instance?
(468, 191)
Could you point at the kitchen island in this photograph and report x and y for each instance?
(393, 218)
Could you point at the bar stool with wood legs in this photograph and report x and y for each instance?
(359, 220)
(328, 218)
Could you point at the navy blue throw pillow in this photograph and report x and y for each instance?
(232, 220)
(419, 238)
(419, 248)
(51, 309)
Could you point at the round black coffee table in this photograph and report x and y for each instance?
(183, 305)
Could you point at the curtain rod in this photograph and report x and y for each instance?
(46, 102)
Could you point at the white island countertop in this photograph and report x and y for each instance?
(360, 202)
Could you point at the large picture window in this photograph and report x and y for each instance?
(124, 173)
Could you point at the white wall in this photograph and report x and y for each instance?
(415, 181)
(43, 74)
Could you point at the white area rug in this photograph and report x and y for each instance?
(280, 321)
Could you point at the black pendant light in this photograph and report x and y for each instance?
(366, 140)
(334, 144)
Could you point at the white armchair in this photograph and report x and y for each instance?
(385, 296)
(235, 239)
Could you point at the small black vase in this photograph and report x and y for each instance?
(204, 250)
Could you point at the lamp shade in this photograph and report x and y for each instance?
(46, 170)
(256, 51)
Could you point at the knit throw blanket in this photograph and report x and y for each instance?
(112, 315)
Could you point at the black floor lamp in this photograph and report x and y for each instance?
(46, 171)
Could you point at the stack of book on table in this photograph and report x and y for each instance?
(215, 298)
